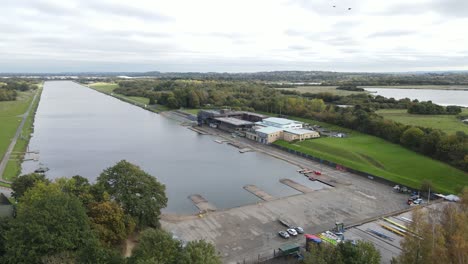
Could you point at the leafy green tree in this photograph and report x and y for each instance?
(199, 252)
(323, 254)
(48, 222)
(412, 138)
(156, 246)
(139, 193)
(23, 183)
(110, 222)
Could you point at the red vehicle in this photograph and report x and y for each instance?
(317, 172)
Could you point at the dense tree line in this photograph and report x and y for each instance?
(323, 77)
(74, 221)
(440, 235)
(343, 253)
(9, 88)
(434, 143)
(428, 108)
(350, 87)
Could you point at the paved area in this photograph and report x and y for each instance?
(297, 186)
(250, 233)
(387, 242)
(201, 203)
(258, 192)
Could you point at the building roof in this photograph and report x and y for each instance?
(269, 130)
(280, 121)
(233, 121)
(299, 131)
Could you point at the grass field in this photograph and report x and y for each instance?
(10, 118)
(108, 88)
(13, 167)
(381, 158)
(447, 123)
(192, 111)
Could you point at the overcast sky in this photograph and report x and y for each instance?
(233, 35)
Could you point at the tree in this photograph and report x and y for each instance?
(156, 246)
(343, 253)
(412, 138)
(23, 183)
(48, 222)
(139, 193)
(110, 222)
(199, 252)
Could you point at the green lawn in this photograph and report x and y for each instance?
(382, 158)
(108, 88)
(13, 167)
(448, 123)
(10, 119)
(104, 87)
(192, 111)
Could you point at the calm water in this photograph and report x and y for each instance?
(79, 131)
(441, 97)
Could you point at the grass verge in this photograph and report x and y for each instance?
(447, 123)
(13, 167)
(381, 158)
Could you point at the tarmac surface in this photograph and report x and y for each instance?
(250, 233)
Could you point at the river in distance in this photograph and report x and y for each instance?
(79, 131)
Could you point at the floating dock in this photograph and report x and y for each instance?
(320, 178)
(258, 192)
(199, 131)
(297, 186)
(201, 203)
(243, 150)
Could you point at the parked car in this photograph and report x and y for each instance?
(299, 230)
(283, 234)
(317, 172)
(292, 232)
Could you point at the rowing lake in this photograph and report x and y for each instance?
(79, 131)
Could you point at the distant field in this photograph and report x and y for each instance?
(109, 88)
(320, 89)
(104, 87)
(382, 158)
(448, 123)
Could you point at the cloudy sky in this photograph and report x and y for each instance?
(233, 35)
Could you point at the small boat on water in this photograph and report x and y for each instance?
(41, 170)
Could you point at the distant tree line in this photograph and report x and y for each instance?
(10, 87)
(74, 221)
(254, 96)
(428, 108)
(323, 77)
(350, 87)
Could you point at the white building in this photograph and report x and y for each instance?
(281, 123)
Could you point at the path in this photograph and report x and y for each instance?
(7, 155)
